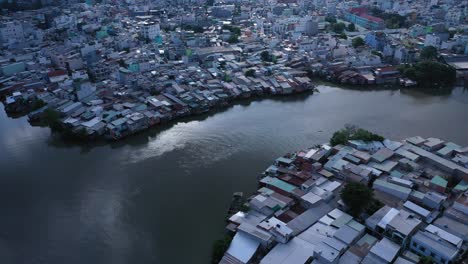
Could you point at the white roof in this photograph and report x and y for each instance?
(330, 185)
(92, 122)
(417, 209)
(327, 220)
(311, 198)
(296, 251)
(385, 249)
(336, 213)
(393, 145)
(253, 217)
(70, 120)
(387, 218)
(456, 241)
(243, 247)
(310, 153)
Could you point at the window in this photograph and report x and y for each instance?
(422, 248)
(415, 244)
(433, 255)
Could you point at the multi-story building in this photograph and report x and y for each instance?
(11, 32)
(149, 30)
(360, 17)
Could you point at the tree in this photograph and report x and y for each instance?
(353, 133)
(330, 19)
(265, 55)
(338, 27)
(244, 208)
(358, 42)
(51, 118)
(220, 246)
(426, 260)
(428, 53)
(342, 35)
(250, 73)
(351, 27)
(233, 38)
(357, 197)
(37, 104)
(430, 74)
(233, 29)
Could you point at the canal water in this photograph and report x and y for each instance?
(161, 196)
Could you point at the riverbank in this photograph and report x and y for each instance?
(106, 122)
(319, 203)
(119, 195)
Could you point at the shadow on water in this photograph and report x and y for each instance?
(410, 91)
(143, 137)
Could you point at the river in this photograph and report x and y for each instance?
(161, 196)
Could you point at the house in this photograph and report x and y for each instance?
(384, 251)
(382, 155)
(376, 40)
(392, 189)
(241, 250)
(396, 225)
(433, 144)
(277, 228)
(57, 76)
(438, 184)
(442, 246)
(433, 200)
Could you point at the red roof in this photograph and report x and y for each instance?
(372, 18)
(362, 12)
(56, 73)
(386, 69)
(358, 10)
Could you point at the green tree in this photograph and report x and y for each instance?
(426, 260)
(357, 197)
(353, 133)
(37, 104)
(51, 118)
(219, 247)
(428, 53)
(233, 29)
(233, 38)
(343, 35)
(338, 27)
(265, 56)
(330, 19)
(244, 208)
(351, 27)
(250, 73)
(358, 42)
(339, 137)
(430, 74)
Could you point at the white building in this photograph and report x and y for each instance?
(432, 40)
(442, 246)
(149, 30)
(11, 32)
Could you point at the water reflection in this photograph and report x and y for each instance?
(160, 196)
